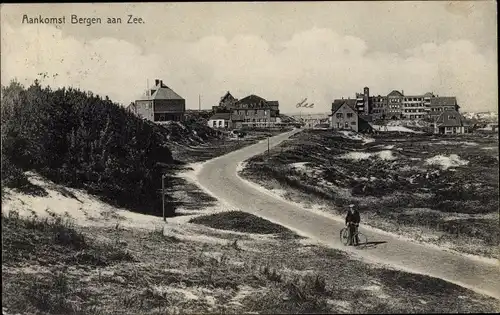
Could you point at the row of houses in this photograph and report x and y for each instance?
(397, 105)
(346, 116)
(359, 112)
(161, 104)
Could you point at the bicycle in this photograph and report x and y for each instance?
(344, 237)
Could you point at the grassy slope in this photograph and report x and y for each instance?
(85, 141)
(200, 270)
(457, 206)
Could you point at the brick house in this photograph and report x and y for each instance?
(450, 122)
(345, 117)
(254, 111)
(160, 105)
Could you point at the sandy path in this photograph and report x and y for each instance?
(219, 177)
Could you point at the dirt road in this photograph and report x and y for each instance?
(219, 177)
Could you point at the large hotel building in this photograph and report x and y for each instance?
(397, 105)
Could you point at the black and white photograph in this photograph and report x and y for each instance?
(335, 157)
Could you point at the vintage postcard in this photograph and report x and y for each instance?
(250, 157)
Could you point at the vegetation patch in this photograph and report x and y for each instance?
(242, 222)
(53, 240)
(386, 188)
(268, 275)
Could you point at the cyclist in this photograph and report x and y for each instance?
(352, 222)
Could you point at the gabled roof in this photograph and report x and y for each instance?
(275, 103)
(450, 118)
(252, 99)
(165, 93)
(338, 103)
(226, 116)
(444, 101)
(226, 96)
(395, 93)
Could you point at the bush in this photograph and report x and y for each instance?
(83, 141)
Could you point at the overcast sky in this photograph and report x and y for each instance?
(280, 51)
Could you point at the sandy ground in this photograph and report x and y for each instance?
(219, 177)
(206, 244)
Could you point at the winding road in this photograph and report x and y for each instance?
(219, 177)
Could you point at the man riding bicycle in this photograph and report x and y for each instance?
(352, 222)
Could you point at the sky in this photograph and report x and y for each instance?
(279, 51)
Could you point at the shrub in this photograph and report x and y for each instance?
(84, 141)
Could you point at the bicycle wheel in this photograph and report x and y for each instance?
(363, 241)
(344, 236)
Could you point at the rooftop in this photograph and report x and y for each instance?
(161, 92)
(395, 93)
(444, 101)
(450, 118)
(338, 103)
(225, 116)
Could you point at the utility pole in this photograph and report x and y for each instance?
(199, 102)
(268, 153)
(163, 195)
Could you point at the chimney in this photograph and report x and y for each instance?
(157, 82)
(161, 83)
(403, 92)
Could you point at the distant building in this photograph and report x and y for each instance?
(450, 122)
(251, 111)
(379, 106)
(160, 105)
(416, 106)
(440, 104)
(397, 105)
(345, 117)
(226, 103)
(220, 120)
(255, 111)
(394, 105)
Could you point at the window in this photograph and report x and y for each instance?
(220, 122)
(339, 115)
(349, 115)
(214, 123)
(353, 122)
